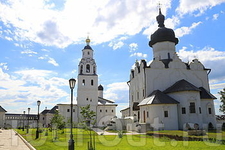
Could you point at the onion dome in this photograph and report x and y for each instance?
(163, 33)
(88, 42)
(100, 87)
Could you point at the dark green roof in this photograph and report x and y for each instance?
(181, 85)
(204, 94)
(2, 109)
(158, 97)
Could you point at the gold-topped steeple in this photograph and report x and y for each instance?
(88, 40)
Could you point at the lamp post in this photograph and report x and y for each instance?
(37, 131)
(23, 119)
(72, 83)
(28, 111)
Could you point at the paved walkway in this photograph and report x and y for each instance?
(102, 132)
(9, 140)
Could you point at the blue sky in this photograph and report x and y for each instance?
(41, 43)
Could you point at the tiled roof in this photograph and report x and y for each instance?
(158, 97)
(181, 85)
(101, 100)
(52, 111)
(2, 109)
(204, 94)
(125, 109)
(45, 111)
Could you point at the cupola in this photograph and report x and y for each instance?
(162, 33)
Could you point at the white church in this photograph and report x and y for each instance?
(167, 93)
(89, 92)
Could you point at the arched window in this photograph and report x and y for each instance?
(88, 53)
(83, 82)
(88, 68)
(81, 69)
(94, 70)
(92, 82)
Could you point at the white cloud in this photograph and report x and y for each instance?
(25, 87)
(186, 30)
(139, 55)
(215, 16)
(8, 38)
(116, 45)
(133, 47)
(53, 62)
(68, 24)
(217, 86)
(188, 6)
(4, 66)
(28, 51)
(50, 60)
(117, 91)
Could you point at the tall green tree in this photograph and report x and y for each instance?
(222, 100)
(87, 119)
(57, 122)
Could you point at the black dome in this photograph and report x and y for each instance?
(163, 33)
(87, 47)
(100, 87)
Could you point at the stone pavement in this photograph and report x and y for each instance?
(103, 132)
(9, 140)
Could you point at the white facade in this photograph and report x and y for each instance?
(89, 92)
(168, 93)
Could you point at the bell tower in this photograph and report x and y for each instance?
(87, 91)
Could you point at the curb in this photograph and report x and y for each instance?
(28, 144)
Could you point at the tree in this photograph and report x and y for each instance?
(222, 100)
(57, 122)
(88, 118)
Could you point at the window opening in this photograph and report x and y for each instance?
(88, 68)
(192, 107)
(183, 110)
(166, 114)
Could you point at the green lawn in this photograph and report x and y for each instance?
(112, 142)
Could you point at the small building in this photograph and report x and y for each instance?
(2, 116)
(46, 116)
(20, 120)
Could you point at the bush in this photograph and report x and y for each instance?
(120, 134)
(46, 133)
(223, 126)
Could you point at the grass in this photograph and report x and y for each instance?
(210, 134)
(113, 142)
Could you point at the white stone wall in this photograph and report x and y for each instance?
(125, 113)
(105, 114)
(161, 50)
(156, 117)
(185, 98)
(2, 119)
(207, 118)
(162, 78)
(64, 110)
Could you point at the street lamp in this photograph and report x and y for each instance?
(37, 131)
(28, 120)
(23, 119)
(72, 83)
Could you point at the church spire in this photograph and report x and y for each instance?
(163, 33)
(88, 43)
(88, 40)
(160, 18)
